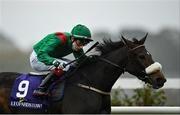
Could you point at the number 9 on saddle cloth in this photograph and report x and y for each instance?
(24, 85)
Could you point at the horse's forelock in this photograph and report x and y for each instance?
(135, 41)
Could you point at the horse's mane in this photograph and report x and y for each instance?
(105, 47)
(108, 45)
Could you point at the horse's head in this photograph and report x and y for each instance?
(141, 64)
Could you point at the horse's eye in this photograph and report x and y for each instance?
(142, 56)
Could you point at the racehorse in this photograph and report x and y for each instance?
(88, 88)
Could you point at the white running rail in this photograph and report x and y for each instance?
(145, 109)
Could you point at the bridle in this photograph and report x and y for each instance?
(123, 69)
(116, 65)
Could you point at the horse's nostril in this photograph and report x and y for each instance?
(161, 81)
(164, 80)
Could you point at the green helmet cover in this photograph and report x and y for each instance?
(81, 32)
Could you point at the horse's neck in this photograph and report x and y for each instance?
(103, 75)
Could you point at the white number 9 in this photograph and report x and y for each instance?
(23, 89)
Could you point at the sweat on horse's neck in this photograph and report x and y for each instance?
(103, 75)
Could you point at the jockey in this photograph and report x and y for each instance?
(47, 54)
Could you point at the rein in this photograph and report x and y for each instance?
(111, 63)
(115, 65)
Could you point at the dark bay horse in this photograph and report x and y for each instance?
(88, 89)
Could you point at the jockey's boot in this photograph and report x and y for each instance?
(47, 81)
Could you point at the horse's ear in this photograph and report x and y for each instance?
(143, 39)
(124, 40)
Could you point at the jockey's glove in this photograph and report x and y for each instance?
(58, 64)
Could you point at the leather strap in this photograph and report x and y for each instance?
(93, 89)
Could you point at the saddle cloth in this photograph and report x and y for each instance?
(22, 90)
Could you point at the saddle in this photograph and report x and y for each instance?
(22, 91)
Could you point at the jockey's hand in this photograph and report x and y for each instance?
(61, 65)
(58, 64)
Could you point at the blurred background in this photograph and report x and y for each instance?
(24, 22)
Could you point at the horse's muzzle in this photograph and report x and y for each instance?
(158, 80)
(154, 71)
(159, 83)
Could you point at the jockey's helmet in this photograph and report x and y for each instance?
(81, 32)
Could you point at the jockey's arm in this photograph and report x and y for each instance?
(46, 48)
